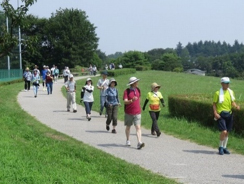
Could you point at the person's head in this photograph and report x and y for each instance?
(27, 69)
(35, 72)
(112, 83)
(225, 81)
(36, 66)
(155, 87)
(48, 72)
(44, 67)
(71, 77)
(133, 82)
(104, 74)
(88, 81)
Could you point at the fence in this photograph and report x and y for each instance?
(8, 75)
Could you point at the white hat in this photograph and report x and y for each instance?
(225, 80)
(112, 80)
(71, 76)
(132, 80)
(88, 79)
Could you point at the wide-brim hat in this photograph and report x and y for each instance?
(132, 80)
(155, 85)
(27, 68)
(71, 76)
(88, 79)
(112, 80)
(225, 80)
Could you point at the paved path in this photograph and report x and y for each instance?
(174, 158)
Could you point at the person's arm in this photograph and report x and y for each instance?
(216, 115)
(235, 105)
(145, 103)
(162, 102)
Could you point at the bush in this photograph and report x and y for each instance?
(123, 71)
(198, 107)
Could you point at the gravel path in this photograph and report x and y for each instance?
(171, 157)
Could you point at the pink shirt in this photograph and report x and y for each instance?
(133, 108)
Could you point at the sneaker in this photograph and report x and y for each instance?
(68, 110)
(89, 118)
(140, 145)
(74, 111)
(128, 143)
(35, 96)
(158, 134)
(226, 151)
(25, 90)
(107, 127)
(114, 131)
(221, 150)
(100, 113)
(153, 133)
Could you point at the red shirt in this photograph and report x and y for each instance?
(48, 79)
(133, 108)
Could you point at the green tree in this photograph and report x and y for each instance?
(132, 59)
(8, 39)
(171, 61)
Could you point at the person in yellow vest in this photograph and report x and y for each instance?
(223, 101)
(154, 97)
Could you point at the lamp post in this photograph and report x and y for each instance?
(20, 54)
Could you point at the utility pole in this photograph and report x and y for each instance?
(20, 54)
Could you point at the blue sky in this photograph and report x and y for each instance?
(144, 25)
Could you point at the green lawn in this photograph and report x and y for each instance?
(32, 153)
(178, 83)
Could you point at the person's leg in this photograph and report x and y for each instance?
(109, 118)
(127, 133)
(87, 108)
(34, 90)
(102, 101)
(115, 116)
(25, 86)
(48, 88)
(28, 85)
(154, 121)
(68, 101)
(51, 87)
(223, 134)
(73, 102)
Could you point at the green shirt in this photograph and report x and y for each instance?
(154, 99)
(226, 104)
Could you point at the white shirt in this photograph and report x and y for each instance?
(88, 97)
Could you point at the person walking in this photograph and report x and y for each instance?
(90, 69)
(56, 74)
(35, 81)
(70, 86)
(223, 101)
(94, 70)
(27, 78)
(44, 73)
(87, 97)
(112, 104)
(102, 85)
(49, 83)
(131, 99)
(66, 74)
(36, 68)
(154, 97)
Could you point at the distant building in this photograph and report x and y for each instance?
(196, 72)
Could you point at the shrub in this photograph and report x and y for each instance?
(123, 71)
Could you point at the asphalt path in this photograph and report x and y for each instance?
(184, 161)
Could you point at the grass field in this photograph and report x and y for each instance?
(32, 153)
(178, 83)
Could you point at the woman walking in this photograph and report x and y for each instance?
(49, 83)
(112, 103)
(35, 81)
(27, 77)
(154, 97)
(87, 97)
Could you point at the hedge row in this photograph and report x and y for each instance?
(198, 107)
(124, 71)
(11, 82)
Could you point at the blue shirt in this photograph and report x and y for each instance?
(112, 96)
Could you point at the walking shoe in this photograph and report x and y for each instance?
(128, 143)
(114, 131)
(74, 111)
(140, 145)
(221, 150)
(226, 151)
(35, 96)
(153, 133)
(89, 118)
(68, 110)
(25, 90)
(100, 113)
(107, 127)
(158, 134)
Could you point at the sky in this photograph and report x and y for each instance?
(143, 25)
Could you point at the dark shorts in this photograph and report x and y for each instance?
(225, 123)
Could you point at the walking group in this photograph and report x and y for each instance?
(109, 104)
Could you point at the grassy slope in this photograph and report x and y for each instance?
(32, 153)
(178, 83)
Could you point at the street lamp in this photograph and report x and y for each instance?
(20, 54)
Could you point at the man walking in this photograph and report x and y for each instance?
(131, 99)
(223, 101)
(70, 86)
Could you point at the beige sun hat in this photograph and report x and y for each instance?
(154, 85)
(112, 80)
(132, 80)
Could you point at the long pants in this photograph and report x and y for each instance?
(35, 89)
(56, 77)
(66, 78)
(71, 99)
(88, 107)
(102, 101)
(27, 85)
(154, 116)
(112, 115)
(49, 87)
